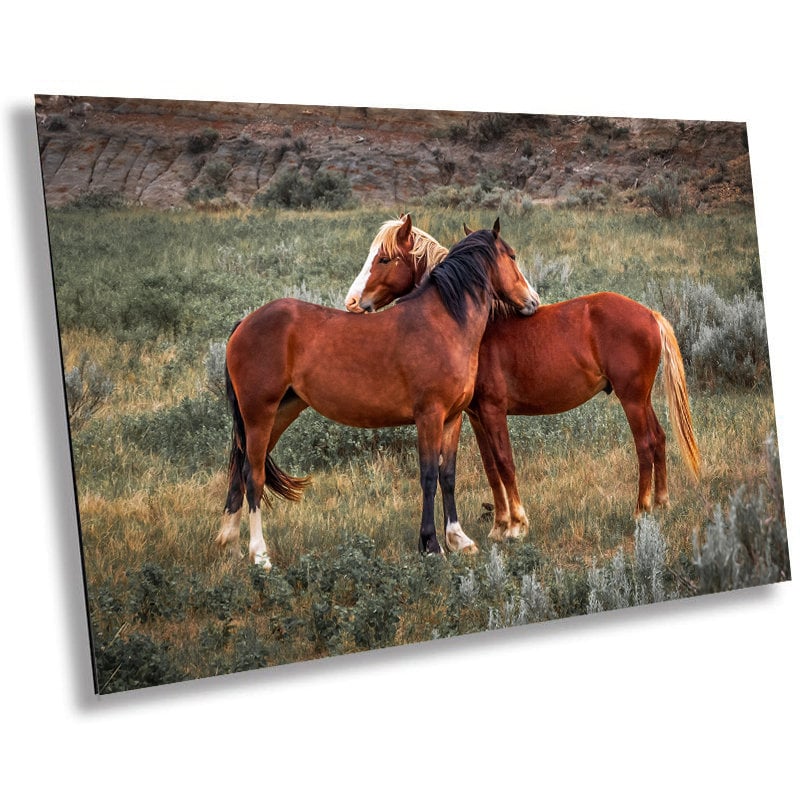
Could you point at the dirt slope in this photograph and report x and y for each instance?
(153, 152)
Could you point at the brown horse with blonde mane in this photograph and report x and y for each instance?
(414, 364)
(549, 363)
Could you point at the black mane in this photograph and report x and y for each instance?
(464, 273)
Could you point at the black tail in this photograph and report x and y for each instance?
(277, 481)
(238, 459)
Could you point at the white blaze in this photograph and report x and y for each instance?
(356, 290)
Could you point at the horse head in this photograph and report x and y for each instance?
(509, 284)
(398, 260)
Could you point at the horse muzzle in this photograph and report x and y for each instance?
(531, 305)
(352, 304)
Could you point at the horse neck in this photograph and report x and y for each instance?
(427, 253)
(471, 330)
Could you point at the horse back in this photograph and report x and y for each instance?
(566, 353)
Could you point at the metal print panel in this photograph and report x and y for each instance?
(343, 378)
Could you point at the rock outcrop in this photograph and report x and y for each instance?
(155, 152)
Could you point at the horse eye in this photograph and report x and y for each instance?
(384, 260)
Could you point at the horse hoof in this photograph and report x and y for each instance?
(456, 541)
(499, 533)
(430, 548)
(262, 560)
(517, 532)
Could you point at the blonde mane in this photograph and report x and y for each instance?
(425, 246)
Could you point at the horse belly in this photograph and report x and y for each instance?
(353, 400)
(553, 388)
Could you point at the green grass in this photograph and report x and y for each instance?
(142, 295)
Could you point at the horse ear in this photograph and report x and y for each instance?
(496, 228)
(404, 234)
(467, 231)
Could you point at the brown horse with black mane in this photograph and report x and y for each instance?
(414, 364)
(551, 362)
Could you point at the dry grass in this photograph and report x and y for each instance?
(142, 509)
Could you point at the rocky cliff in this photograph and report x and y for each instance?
(155, 152)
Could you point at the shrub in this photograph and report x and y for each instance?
(331, 190)
(649, 562)
(735, 349)
(355, 597)
(492, 127)
(193, 434)
(215, 369)
(56, 122)
(217, 171)
(315, 443)
(98, 199)
(291, 189)
(722, 342)
(154, 304)
(621, 583)
(134, 662)
(664, 196)
(585, 198)
(203, 141)
(551, 276)
(87, 389)
(458, 132)
(746, 545)
(155, 592)
(479, 195)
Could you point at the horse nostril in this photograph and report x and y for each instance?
(366, 306)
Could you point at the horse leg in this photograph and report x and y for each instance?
(228, 536)
(429, 445)
(495, 424)
(455, 539)
(288, 411)
(502, 512)
(659, 458)
(639, 422)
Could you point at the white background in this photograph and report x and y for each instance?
(686, 699)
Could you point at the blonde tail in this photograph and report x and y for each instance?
(680, 414)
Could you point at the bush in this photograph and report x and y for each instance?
(664, 196)
(585, 198)
(622, 583)
(550, 277)
(291, 189)
(722, 342)
(480, 195)
(215, 370)
(217, 171)
(56, 122)
(316, 443)
(87, 389)
(155, 592)
(203, 141)
(193, 434)
(355, 597)
(133, 663)
(747, 544)
(98, 199)
(331, 190)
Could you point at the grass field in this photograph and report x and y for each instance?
(145, 301)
